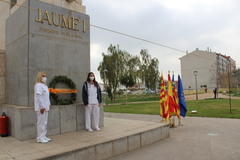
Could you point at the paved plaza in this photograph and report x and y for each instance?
(198, 139)
(118, 136)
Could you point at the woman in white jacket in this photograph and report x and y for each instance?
(91, 95)
(41, 106)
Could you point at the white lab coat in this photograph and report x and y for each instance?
(41, 100)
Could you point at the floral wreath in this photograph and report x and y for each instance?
(54, 92)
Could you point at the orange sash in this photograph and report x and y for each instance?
(56, 91)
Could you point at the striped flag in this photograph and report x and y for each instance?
(175, 98)
(163, 101)
(170, 100)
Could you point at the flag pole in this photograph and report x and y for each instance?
(179, 121)
(173, 114)
(170, 120)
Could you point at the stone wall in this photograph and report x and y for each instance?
(2, 76)
(5, 12)
(61, 119)
(35, 46)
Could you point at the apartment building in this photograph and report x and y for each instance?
(203, 68)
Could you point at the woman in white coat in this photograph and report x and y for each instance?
(41, 106)
(91, 95)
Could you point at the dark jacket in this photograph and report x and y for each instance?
(85, 93)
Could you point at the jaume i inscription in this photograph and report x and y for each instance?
(52, 31)
(59, 20)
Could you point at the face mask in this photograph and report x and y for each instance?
(91, 78)
(44, 79)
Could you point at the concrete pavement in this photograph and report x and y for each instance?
(118, 136)
(198, 139)
(207, 96)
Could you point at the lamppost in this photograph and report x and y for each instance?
(105, 78)
(229, 85)
(195, 74)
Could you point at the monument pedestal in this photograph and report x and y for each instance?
(61, 119)
(45, 37)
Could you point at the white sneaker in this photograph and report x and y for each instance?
(48, 139)
(97, 129)
(90, 130)
(42, 141)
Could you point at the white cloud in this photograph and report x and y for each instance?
(192, 5)
(95, 49)
(181, 24)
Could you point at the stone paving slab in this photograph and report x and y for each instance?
(198, 139)
(115, 135)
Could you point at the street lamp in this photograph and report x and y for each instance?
(195, 74)
(229, 85)
(105, 78)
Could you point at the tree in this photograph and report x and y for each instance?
(114, 63)
(132, 67)
(215, 75)
(119, 63)
(236, 79)
(148, 69)
(223, 80)
(144, 63)
(153, 70)
(127, 81)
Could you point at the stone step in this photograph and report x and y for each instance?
(118, 136)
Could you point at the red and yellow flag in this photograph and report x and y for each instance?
(163, 101)
(170, 100)
(175, 98)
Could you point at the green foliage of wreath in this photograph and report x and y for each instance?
(70, 83)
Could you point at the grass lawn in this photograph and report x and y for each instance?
(205, 108)
(140, 97)
(133, 98)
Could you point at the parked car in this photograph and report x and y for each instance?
(104, 92)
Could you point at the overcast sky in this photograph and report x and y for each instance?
(181, 24)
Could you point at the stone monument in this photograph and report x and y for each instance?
(45, 37)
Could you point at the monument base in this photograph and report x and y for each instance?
(61, 119)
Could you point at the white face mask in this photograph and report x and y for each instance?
(44, 79)
(91, 78)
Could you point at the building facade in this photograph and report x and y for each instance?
(203, 68)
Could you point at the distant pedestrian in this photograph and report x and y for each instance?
(91, 95)
(215, 93)
(205, 89)
(41, 106)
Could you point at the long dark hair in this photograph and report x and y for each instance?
(94, 80)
